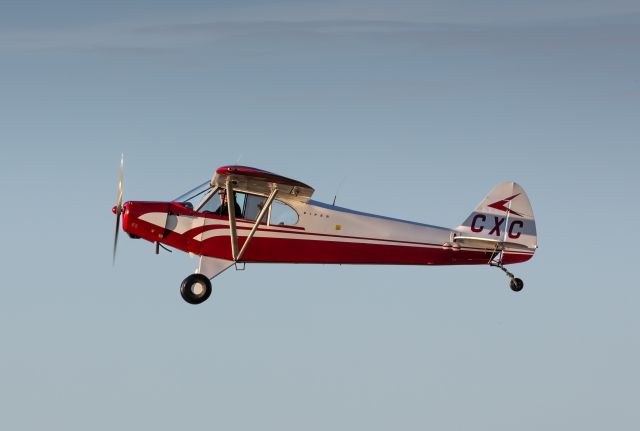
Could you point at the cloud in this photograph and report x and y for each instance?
(173, 35)
(168, 36)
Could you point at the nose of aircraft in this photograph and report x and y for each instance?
(143, 219)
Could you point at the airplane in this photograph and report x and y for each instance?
(248, 215)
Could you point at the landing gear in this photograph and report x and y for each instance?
(195, 289)
(515, 284)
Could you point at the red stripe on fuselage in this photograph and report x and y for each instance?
(286, 250)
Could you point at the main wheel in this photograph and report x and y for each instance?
(516, 284)
(195, 289)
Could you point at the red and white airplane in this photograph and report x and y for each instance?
(247, 215)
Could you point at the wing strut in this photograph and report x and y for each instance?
(231, 204)
(263, 211)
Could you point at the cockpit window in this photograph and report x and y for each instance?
(247, 206)
(212, 200)
(216, 203)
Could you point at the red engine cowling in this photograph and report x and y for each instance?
(145, 219)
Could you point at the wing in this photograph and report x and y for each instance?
(256, 181)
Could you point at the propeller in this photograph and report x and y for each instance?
(118, 208)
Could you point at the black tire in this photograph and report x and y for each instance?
(516, 284)
(195, 289)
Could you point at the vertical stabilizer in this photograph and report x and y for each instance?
(505, 214)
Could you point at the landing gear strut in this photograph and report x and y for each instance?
(195, 289)
(516, 284)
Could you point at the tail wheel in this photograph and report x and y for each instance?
(195, 289)
(516, 284)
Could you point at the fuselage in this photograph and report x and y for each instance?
(323, 234)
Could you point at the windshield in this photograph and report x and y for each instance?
(189, 198)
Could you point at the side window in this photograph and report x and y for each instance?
(282, 214)
(252, 206)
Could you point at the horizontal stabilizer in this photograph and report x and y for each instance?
(487, 244)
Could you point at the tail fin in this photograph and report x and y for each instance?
(505, 214)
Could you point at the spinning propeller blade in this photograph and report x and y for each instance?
(118, 208)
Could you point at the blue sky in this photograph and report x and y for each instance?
(409, 109)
